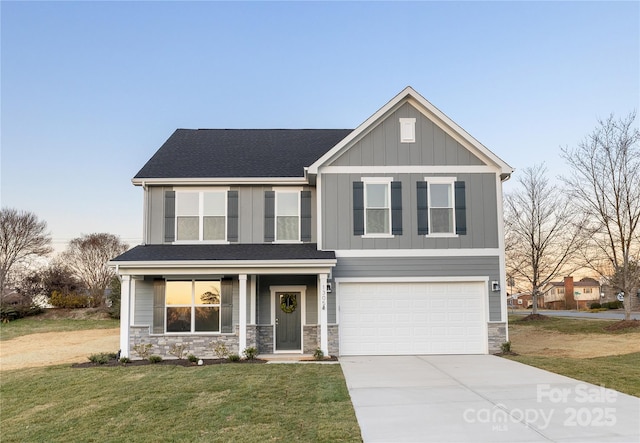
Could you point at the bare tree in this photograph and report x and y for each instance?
(605, 183)
(87, 257)
(542, 231)
(22, 237)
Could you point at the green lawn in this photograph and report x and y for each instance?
(231, 402)
(34, 325)
(571, 325)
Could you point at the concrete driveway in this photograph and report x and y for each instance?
(482, 398)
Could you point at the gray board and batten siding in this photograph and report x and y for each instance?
(481, 214)
(381, 145)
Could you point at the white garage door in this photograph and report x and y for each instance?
(412, 318)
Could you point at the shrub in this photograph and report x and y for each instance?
(612, 304)
(250, 353)
(178, 350)
(595, 305)
(220, 349)
(101, 359)
(13, 312)
(318, 354)
(192, 358)
(125, 360)
(69, 300)
(505, 347)
(155, 358)
(233, 357)
(143, 350)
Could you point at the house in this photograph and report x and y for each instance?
(384, 239)
(568, 294)
(524, 300)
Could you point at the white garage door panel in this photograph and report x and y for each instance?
(412, 318)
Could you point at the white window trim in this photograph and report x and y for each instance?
(441, 181)
(407, 130)
(192, 306)
(376, 180)
(201, 192)
(298, 191)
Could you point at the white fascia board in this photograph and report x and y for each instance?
(475, 279)
(217, 181)
(363, 253)
(409, 169)
(431, 112)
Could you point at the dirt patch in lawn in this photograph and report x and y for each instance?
(54, 348)
(525, 341)
(624, 324)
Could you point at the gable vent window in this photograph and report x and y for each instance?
(407, 130)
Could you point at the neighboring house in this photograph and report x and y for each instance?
(568, 294)
(524, 300)
(385, 239)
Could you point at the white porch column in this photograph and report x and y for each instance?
(322, 309)
(242, 344)
(125, 314)
(252, 298)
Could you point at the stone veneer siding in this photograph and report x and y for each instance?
(264, 339)
(497, 336)
(310, 339)
(198, 345)
(334, 340)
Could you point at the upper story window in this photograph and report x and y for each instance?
(287, 216)
(441, 207)
(201, 215)
(377, 207)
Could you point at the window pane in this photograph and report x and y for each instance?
(214, 203)
(214, 228)
(207, 319)
(441, 220)
(377, 221)
(377, 195)
(441, 195)
(178, 293)
(287, 203)
(207, 292)
(178, 319)
(287, 228)
(188, 228)
(187, 203)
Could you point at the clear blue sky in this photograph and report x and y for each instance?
(90, 90)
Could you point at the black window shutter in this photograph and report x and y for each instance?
(169, 216)
(423, 208)
(305, 216)
(158, 307)
(226, 305)
(232, 216)
(396, 208)
(358, 208)
(269, 215)
(461, 208)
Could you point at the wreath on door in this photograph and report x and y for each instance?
(288, 303)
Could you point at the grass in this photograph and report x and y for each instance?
(233, 402)
(570, 325)
(619, 372)
(34, 325)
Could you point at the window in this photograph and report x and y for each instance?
(287, 213)
(377, 207)
(441, 213)
(560, 290)
(201, 215)
(441, 207)
(192, 306)
(588, 290)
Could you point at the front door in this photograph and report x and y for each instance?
(288, 330)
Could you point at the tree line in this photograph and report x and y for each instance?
(78, 277)
(590, 220)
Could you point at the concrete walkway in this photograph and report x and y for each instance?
(482, 398)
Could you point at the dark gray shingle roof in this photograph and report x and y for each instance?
(213, 153)
(298, 251)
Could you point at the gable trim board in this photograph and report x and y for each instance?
(430, 112)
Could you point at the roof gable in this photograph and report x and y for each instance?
(236, 153)
(431, 113)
